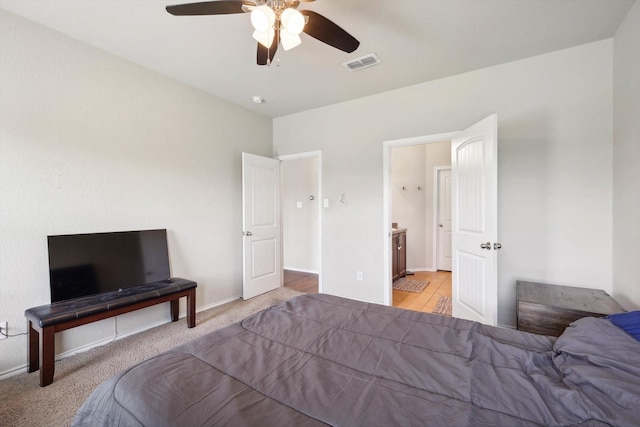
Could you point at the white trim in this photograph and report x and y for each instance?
(298, 156)
(431, 270)
(306, 155)
(387, 146)
(299, 270)
(213, 305)
(13, 372)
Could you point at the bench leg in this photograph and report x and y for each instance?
(175, 309)
(47, 356)
(33, 352)
(191, 308)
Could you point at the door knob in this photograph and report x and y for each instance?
(497, 246)
(247, 233)
(440, 225)
(486, 246)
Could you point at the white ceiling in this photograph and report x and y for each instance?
(417, 41)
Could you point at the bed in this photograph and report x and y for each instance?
(323, 360)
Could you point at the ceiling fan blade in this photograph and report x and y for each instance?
(218, 7)
(265, 56)
(328, 32)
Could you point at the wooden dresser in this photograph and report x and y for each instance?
(548, 309)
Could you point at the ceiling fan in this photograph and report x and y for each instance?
(275, 22)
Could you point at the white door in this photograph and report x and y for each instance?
(443, 261)
(474, 162)
(262, 267)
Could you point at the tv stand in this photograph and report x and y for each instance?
(45, 320)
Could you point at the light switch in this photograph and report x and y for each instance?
(299, 205)
(325, 203)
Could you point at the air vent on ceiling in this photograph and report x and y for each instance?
(362, 62)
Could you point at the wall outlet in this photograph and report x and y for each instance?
(4, 330)
(359, 276)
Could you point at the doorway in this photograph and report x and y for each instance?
(474, 213)
(416, 206)
(301, 183)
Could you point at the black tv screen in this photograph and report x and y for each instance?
(87, 264)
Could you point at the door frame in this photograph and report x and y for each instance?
(387, 147)
(436, 214)
(299, 156)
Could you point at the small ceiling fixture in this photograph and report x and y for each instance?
(258, 99)
(275, 22)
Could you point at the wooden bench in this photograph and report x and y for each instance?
(45, 320)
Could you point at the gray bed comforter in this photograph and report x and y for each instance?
(319, 359)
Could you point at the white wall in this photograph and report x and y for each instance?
(90, 142)
(407, 202)
(626, 161)
(555, 173)
(300, 225)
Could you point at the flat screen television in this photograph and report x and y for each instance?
(87, 264)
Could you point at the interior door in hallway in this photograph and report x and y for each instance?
(443, 250)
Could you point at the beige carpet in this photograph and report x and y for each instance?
(443, 306)
(25, 403)
(409, 285)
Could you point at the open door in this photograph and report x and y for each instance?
(262, 265)
(474, 163)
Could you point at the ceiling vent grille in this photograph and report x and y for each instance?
(362, 62)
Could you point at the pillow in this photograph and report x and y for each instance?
(628, 322)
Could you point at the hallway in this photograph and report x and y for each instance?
(425, 301)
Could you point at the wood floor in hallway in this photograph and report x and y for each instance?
(300, 281)
(439, 285)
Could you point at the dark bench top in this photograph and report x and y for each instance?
(63, 311)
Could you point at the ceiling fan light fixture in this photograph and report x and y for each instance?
(276, 22)
(265, 38)
(289, 41)
(292, 21)
(263, 18)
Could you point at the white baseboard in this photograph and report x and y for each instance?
(23, 368)
(299, 270)
(13, 371)
(215, 304)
